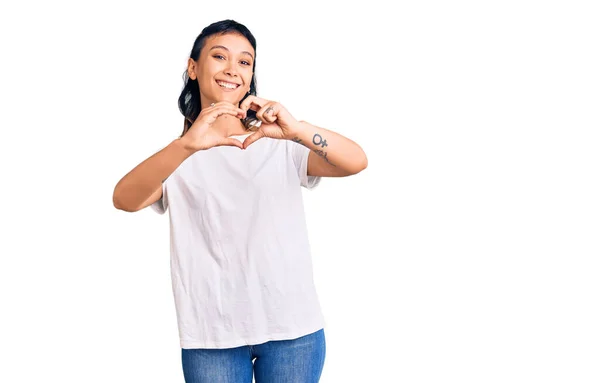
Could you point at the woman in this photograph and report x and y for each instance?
(240, 258)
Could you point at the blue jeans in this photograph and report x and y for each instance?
(297, 360)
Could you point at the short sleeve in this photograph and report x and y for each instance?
(162, 204)
(300, 157)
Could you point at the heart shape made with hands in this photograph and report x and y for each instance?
(275, 121)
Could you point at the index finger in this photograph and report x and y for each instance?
(253, 100)
(222, 103)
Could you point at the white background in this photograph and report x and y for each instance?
(466, 252)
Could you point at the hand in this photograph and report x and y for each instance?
(276, 121)
(202, 135)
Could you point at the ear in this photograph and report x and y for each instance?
(191, 71)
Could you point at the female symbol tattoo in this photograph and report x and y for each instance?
(321, 141)
(318, 140)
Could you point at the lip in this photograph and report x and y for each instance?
(228, 82)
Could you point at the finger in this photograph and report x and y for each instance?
(253, 138)
(268, 113)
(253, 102)
(225, 109)
(220, 104)
(230, 142)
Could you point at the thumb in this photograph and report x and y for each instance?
(252, 138)
(230, 142)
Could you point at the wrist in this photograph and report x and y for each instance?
(297, 129)
(182, 144)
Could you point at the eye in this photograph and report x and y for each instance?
(245, 63)
(219, 56)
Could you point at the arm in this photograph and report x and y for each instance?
(142, 186)
(331, 154)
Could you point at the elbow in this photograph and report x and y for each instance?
(357, 168)
(362, 164)
(117, 202)
(119, 206)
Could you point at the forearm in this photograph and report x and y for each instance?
(139, 184)
(333, 148)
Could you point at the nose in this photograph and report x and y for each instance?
(230, 70)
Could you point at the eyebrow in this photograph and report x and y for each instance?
(225, 48)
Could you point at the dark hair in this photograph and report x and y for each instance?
(189, 100)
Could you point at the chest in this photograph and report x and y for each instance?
(228, 178)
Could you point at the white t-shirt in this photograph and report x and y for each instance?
(241, 265)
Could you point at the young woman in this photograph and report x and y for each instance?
(240, 257)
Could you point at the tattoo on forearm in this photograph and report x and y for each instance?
(318, 140)
(324, 155)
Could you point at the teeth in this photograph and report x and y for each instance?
(227, 85)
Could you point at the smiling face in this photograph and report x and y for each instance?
(224, 69)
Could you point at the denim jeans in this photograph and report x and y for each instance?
(297, 360)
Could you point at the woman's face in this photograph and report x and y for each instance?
(224, 69)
